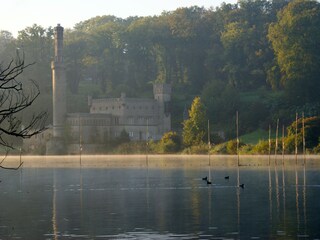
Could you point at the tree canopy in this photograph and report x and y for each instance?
(295, 37)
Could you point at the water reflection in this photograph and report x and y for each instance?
(279, 202)
(54, 209)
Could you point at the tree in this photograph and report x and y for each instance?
(295, 37)
(194, 128)
(37, 43)
(311, 131)
(170, 142)
(14, 99)
(5, 39)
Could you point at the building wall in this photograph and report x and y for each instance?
(141, 118)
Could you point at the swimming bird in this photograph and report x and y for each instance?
(208, 182)
(241, 185)
(226, 177)
(205, 178)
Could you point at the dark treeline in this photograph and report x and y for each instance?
(259, 57)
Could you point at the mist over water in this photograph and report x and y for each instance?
(160, 203)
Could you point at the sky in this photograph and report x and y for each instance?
(16, 15)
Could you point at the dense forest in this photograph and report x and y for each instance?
(258, 57)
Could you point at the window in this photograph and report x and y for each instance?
(131, 134)
(130, 120)
(116, 121)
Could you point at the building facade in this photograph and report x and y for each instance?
(142, 118)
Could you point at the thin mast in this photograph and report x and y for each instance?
(209, 143)
(237, 126)
(296, 139)
(303, 140)
(282, 144)
(269, 142)
(276, 146)
(80, 139)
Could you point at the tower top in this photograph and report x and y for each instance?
(58, 43)
(58, 27)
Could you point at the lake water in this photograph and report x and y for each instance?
(160, 203)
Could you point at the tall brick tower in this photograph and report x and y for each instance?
(56, 145)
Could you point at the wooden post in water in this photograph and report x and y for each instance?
(296, 139)
(237, 129)
(209, 164)
(282, 144)
(276, 145)
(209, 143)
(20, 149)
(269, 142)
(303, 140)
(147, 141)
(80, 139)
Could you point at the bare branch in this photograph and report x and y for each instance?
(14, 98)
(12, 168)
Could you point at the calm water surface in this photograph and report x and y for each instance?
(276, 203)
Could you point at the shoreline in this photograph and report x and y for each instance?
(157, 161)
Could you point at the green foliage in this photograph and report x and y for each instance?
(194, 128)
(311, 129)
(130, 148)
(123, 137)
(295, 38)
(221, 100)
(316, 150)
(219, 149)
(170, 143)
(197, 149)
(255, 136)
(262, 147)
(231, 147)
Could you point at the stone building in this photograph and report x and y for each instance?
(142, 118)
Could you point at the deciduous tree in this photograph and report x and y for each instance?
(194, 128)
(295, 38)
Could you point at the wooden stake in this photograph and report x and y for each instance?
(269, 143)
(276, 146)
(209, 143)
(296, 139)
(237, 128)
(303, 140)
(282, 144)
